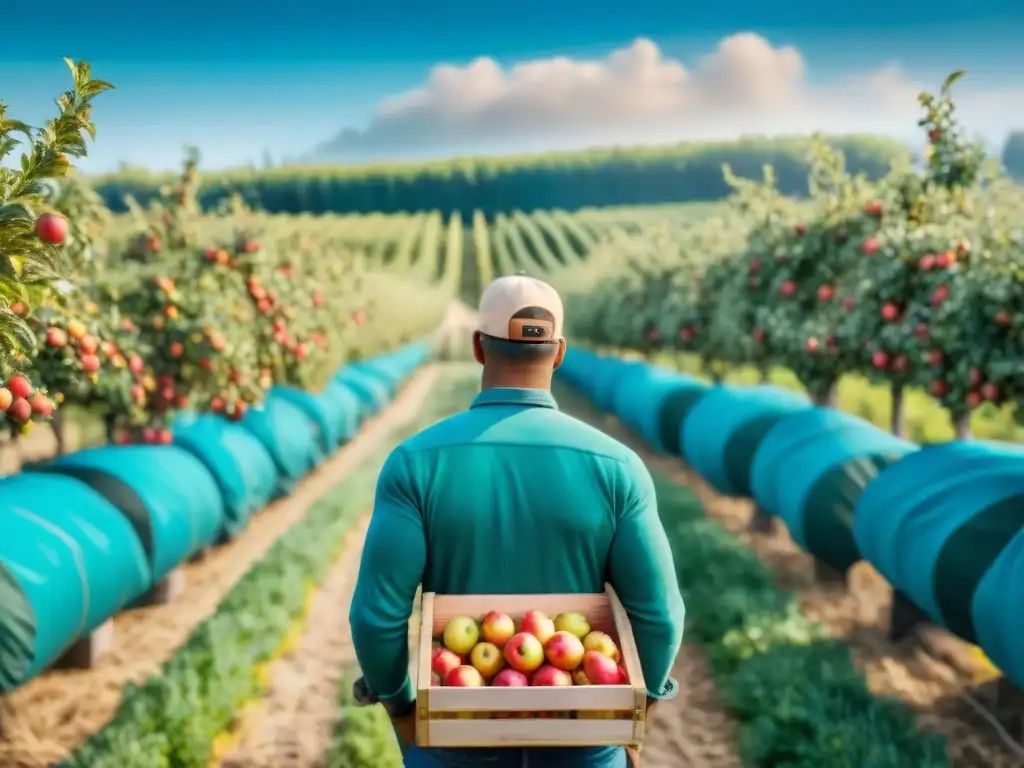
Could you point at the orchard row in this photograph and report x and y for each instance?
(170, 309)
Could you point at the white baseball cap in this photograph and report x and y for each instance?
(521, 308)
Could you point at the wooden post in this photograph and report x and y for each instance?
(962, 425)
(762, 522)
(164, 591)
(904, 617)
(87, 651)
(898, 420)
(826, 574)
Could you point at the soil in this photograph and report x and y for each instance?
(930, 672)
(45, 720)
(292, 726)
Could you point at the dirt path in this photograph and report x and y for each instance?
(292, 726)
(939, 692)
(42, 722)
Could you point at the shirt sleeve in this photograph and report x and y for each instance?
(391, 569)
(642, 572)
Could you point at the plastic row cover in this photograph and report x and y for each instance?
(946, 527)
(723, 431)
(944, 524)
(810, 470)
(88, 534)
(68, 560)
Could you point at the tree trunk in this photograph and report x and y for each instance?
(763, 374)
(110, 426)
(898, 420)
(59, 432)
(826, 396)
(962, 425)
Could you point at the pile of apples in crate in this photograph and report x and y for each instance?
(541, 652)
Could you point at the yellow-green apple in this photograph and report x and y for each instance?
(510, 678)
(538, 624)
(548, 675)
(487, 659)
(573, 621)
(579, 677)
(464, 677)
(497, 628)
(524, 652)
(444, 661)
(564, 650)
(602, 643)
(461, 634)
(599, 669)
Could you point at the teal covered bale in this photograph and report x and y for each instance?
(820, 481)
(69, 560)
(373, 394)
(723, 431)
(243, 468)
(168, 495)
(632, 399)
(935, 523)
(345, 407)
(608, 372)
(289, 436)
(670, 401)
(997, 610)
(325, 414)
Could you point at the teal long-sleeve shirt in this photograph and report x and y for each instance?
(513, 497)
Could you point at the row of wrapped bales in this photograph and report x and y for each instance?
(944, 523)
(89, 533)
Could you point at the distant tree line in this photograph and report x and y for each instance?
(642, 176)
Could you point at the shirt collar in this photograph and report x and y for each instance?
(537, 398)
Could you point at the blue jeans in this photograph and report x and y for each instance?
(577, 757)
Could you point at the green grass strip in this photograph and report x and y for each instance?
(363, 736)
(798, 697)
(171, 720)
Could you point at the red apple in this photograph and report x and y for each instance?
(849, 303)
(464, 677)
(870, 246)
(812, 344)
(600, 669)
(926, 262)
(826, 292)
(19, 386)
(444, 661)
(510, 678)
(538, 624)
(879, 359)
(549, 675)
(6, 398)
(497, 628)
(938, 388)
(41, 404)
(564, 650)
(788, 288)
(945, 260)
(56, 337)
(52, 228)
(890, 311)
(990, 391)
(524, 652)
(874, 208)
(972, 399)
(19, 410)
(1002, 319)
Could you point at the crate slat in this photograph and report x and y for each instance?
(534, 733)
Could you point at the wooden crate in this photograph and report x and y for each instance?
(589, 715)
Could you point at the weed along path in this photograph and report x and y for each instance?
(293, 724)
(907, 683)
(42, 722)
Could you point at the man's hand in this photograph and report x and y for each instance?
(405, 730)
(633, 755)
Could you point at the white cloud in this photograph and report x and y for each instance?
(637, 95)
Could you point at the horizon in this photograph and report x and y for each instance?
(347, 86)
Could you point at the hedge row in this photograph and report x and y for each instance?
(567, 180)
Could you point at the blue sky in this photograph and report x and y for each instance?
(239, 78)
